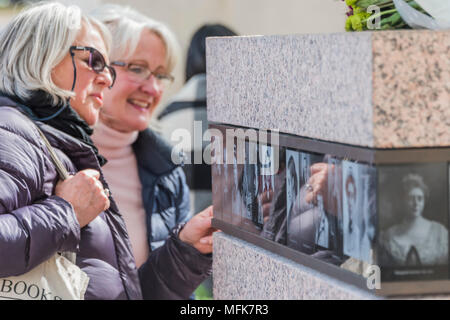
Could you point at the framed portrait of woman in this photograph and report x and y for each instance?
(292, 195)
(413, 222)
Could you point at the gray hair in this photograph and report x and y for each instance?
(126, 26)
(36, 41)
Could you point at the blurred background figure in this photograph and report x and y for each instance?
(183, 111)
(188, 106)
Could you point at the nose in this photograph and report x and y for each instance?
(152, 86)
(104, 78)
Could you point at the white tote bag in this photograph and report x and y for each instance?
(55, 279)
(58, 278)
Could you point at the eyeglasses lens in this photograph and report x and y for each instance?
(112, 71)
(97, 63)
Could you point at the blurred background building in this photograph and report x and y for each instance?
(246, 17)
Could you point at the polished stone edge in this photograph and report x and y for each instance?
(432, 290)
(364, 154)
(244, 271)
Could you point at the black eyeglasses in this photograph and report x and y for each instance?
(141, 73)
(96, 62)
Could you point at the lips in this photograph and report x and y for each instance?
(98, 97)
(141, 104)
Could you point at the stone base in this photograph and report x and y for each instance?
(243, 271)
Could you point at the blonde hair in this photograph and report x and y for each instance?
(37, 40)
(126, 26)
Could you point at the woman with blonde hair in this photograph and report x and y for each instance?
(150, 189)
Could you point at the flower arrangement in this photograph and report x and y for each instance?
(383, 14)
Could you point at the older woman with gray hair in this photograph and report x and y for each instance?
(53, 74)
(150, 189)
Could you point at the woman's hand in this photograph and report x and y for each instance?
(85, 193)
(198, 231)
(318, 184)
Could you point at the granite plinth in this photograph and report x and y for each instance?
(386, 89)
(244, 271)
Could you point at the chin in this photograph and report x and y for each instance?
(91, 122)
(138, 124)
(141, 127)
(92, 119)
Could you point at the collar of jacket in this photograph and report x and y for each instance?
(153, 153)
(62, 140)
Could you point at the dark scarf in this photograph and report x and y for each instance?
(40, 106)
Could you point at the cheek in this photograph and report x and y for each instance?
(421, 203)
(82, 86)
(62, 74)
(108, 99)
(121, 91)
(159, 95)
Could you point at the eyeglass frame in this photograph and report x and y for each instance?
(168, 77)
(91, 50)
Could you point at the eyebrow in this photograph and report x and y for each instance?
(105, 56)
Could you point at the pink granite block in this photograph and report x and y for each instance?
(411, 89)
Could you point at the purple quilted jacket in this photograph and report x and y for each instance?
(34, 223)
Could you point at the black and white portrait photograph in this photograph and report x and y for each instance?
(414, 219)
(250, 186)
(305, 164)
(334, 204)
(274, 212)
(351, 208)
(313, 220)
(292, 195)
(309, 226)
(266, 180)
(322, 226)
(216, 179)
(226, 187)
(236, 172)
(292, 180)
(359, 211)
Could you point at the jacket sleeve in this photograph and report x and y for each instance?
(174, 271)
(31, 230)
(32, 234)
(184, 213)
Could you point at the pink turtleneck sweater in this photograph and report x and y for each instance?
(121, 174)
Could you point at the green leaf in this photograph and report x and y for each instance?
(367, 3)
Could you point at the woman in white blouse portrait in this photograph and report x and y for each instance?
(416, 240)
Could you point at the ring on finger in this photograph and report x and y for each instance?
(309, 187)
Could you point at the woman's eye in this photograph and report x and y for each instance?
(137, 70)
(161, 77)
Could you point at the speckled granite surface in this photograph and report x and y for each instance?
(244, 271)
(411, 89)
(381, 89)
